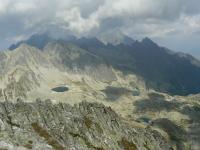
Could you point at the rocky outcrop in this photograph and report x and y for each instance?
(86, 126)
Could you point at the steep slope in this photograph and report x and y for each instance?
(162, 69)
(19, 73)
(87, 126)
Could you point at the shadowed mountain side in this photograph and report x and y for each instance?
(78, 60)
(114, 93)
(192, 111)
(162, 70)
(175, 132)
(155, 104)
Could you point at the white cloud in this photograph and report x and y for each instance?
(191, 23)
(73, 20)
(24, 7)
(17, 38)
(3, 6)
(156, 18)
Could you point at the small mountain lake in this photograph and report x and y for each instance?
(60, 89)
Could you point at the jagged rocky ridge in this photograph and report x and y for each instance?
(43, 125)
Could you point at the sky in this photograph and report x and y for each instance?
(171, 23)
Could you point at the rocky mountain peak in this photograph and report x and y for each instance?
(148, 42)
(88, 126)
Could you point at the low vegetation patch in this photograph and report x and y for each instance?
(98, 128)
(89, 144)
(88, 122)
(49, 139)
(28, 146)
(126, 144)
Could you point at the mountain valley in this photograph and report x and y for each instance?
(147, 85)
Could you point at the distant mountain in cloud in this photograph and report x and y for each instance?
(36, 40)
(115, 38)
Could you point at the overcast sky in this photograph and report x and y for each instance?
(171, 23)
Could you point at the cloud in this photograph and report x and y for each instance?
(154, 18)
(72, 20)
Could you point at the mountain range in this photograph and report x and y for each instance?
(152, 88)
(161, 69)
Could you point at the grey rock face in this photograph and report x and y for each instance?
(87, 126)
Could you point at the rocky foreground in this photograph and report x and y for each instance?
(42, 125)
